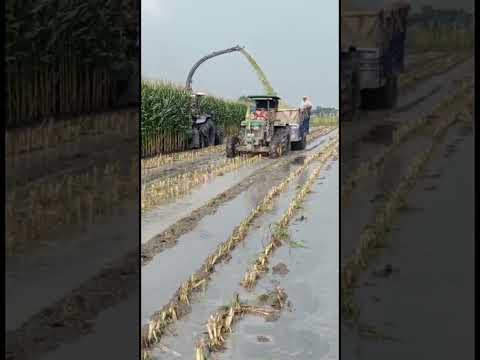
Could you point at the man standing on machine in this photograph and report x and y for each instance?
(306, 109)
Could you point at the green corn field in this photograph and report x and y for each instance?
(59, 56)
(166, 122)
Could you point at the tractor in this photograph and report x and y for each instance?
(268, 130)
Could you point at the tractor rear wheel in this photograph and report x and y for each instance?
(280, 144)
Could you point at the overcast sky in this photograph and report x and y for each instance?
(295, 43)
(468, 5)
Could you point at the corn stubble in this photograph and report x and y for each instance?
(154, 163)
(55, 140)
(71, 200)
(157, 162)
(178, 306)
(157, 192)
(220, 324)
(280, 233)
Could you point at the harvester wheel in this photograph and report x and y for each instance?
(196, 139)
(231, 147)
(208, 132)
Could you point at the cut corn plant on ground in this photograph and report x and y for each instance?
(220, 324)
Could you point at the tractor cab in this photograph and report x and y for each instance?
(263, 107)
(198, 117)
(264, 103)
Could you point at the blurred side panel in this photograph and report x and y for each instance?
(407, 179)
(72, 179)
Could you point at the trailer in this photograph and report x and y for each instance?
(372, 55)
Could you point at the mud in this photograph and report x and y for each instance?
(181, 167)
(30, 275)
(280, 269)
(263, 339)
(69, 166)
(72, 316)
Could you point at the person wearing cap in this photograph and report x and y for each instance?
(306, 108)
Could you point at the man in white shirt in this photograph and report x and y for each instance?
(306, 108)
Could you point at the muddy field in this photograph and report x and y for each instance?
(182, 234)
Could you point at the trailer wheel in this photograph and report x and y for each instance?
(387, 96)
(300, 145)
(231, 146)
